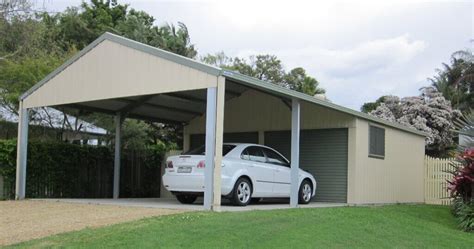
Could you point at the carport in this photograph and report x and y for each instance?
(128, 79)
(125, 78)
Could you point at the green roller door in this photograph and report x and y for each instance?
(197, 140)
(323, 153)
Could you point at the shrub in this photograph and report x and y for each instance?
(461, 188)
(63, 170)
(462, 184)
(464, 213)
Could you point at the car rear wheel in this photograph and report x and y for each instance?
(186, 199)
(305, 193)
(242, 193)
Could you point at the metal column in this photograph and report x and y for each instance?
(295, 151)
(22, 145)
(118, 138)
(210, 149)
(216, 205)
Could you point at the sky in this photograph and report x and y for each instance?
(357, 50)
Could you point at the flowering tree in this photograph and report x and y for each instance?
(430, 112)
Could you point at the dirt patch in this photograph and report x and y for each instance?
(26, 220)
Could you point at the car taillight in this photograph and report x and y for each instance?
(201, 164)
(169, 164)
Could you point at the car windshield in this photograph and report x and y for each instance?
(201, 150)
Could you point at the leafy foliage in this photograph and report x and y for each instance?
(462, 184)
(298, 80)
(465, 129)
(430, 112)
(34, 45)
(370, 106)
(16, 77)
(268, 68)
(456, 80)
(464, 213)
(79, 26)
(461, 187)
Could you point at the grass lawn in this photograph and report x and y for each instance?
(401, 226)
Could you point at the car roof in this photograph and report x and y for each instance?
(245, 144)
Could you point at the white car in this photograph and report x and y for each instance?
(249, 172)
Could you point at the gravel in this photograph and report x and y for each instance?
(26, 220)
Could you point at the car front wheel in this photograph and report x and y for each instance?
(242, 193)
(305, 193)
(186, 199)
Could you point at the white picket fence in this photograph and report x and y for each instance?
(436, 176)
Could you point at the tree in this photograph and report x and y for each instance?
(176, 40)
(34, 45)
(14, 8)
(430, 112)
(79, 26)
(370, 106)
(268, 68)
(456, 81)
(298, 80)
(219, 59)
(16, 77)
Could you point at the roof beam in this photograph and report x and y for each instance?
(186, 98)
(136, 103)
(233, 93)
(183, 100)
(133, 116)
(182, 97)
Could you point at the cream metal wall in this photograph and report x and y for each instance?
(112, 70)
(257, 111)
(398, 178)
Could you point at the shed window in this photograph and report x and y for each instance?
(376, 142)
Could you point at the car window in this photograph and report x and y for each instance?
(226, 148)
(245, 155)
(275, 158)
(256, 154)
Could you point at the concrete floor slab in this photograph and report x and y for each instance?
(172, 203)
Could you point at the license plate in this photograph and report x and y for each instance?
(184, 169)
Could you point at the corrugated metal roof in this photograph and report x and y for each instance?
(231, 75)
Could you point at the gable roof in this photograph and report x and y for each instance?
(234, 76)
(185, 61)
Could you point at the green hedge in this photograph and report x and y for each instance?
(63, 170)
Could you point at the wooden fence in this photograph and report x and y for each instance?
(436, 177)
